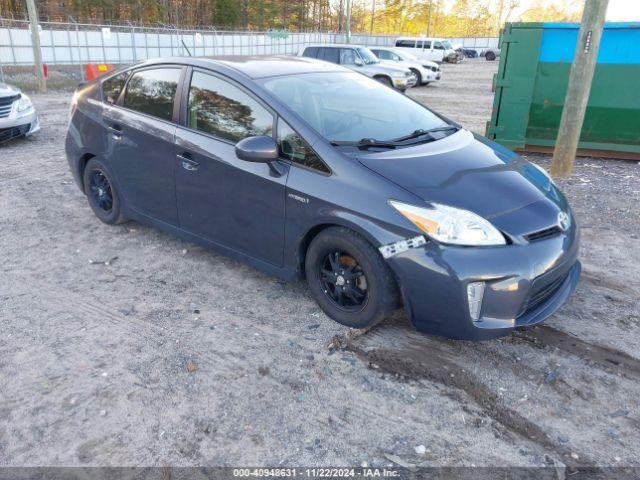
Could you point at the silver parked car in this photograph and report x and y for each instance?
(425, 71)
(362, 60)
(17, 115)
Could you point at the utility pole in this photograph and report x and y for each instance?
(35, 42)
(580, 78)
(429, 19)
(348, 26)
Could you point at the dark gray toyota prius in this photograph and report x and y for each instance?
(305, 169)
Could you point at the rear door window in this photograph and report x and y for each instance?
(153, 92)
(225, 111)
(329, 54)
(112, 87)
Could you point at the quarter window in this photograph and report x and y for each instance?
(311, 52)
(406, 43)
(292, 147)
(225, 111)
(153, 92)
(112, 87)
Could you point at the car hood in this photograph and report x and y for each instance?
(468, 171)
(8, 90)
(405, 64)
(387, 67)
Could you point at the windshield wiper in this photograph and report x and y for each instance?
(366, 143)
(420, 132)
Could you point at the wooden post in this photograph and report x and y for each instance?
(580, 78)
(35, 42)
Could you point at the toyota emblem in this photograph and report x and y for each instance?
(563, 221)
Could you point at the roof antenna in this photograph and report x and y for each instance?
(185, 47)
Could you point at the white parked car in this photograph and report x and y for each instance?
(434, 49)
(425, 71)
(17, 115)
(362, 60)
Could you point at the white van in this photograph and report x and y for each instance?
(434, 49)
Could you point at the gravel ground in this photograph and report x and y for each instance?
(126, 346)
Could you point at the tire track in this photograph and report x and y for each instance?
(437, 362)
(607, 358)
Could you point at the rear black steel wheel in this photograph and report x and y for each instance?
(349, 278)
(101, 193)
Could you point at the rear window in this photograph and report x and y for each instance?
(311, 52)
(112, 87)
(406, 43)
(153, 92)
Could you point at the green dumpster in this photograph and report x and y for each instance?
(531, 84)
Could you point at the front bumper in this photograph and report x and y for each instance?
(15, 126)
(524, 285)
(402, 83)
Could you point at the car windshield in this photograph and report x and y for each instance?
(349, 107)
(447, 44)
(368, 56)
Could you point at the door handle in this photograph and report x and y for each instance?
(188, 163)
(116, 131)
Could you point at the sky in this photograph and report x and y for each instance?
(618, 11)
(623, 10)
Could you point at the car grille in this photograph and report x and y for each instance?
(6, 104)
(7, 134)
(541, 234)
(542, 294)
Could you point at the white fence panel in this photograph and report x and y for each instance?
(76, 44)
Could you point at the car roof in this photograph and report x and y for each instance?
(420, 38)
(336, 45)
(258, 66)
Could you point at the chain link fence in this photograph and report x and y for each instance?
(71, 43)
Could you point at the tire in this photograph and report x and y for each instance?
(385, 81)
(363, 270)
(101, 193)
(490, 56)
(418, 77)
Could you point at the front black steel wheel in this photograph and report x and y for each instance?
(101, 192)
(349, 278)
(344, 281)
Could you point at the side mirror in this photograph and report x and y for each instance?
(358, 62)
(260, 149)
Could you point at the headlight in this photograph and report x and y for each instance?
(451, 225)
(24, 103)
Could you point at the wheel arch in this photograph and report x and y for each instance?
(370, 231)
(82, 163)
(379, 76)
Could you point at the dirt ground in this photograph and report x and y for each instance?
(126, 346)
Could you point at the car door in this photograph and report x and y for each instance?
(228, 201)
(141, 130)
(438, 51)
